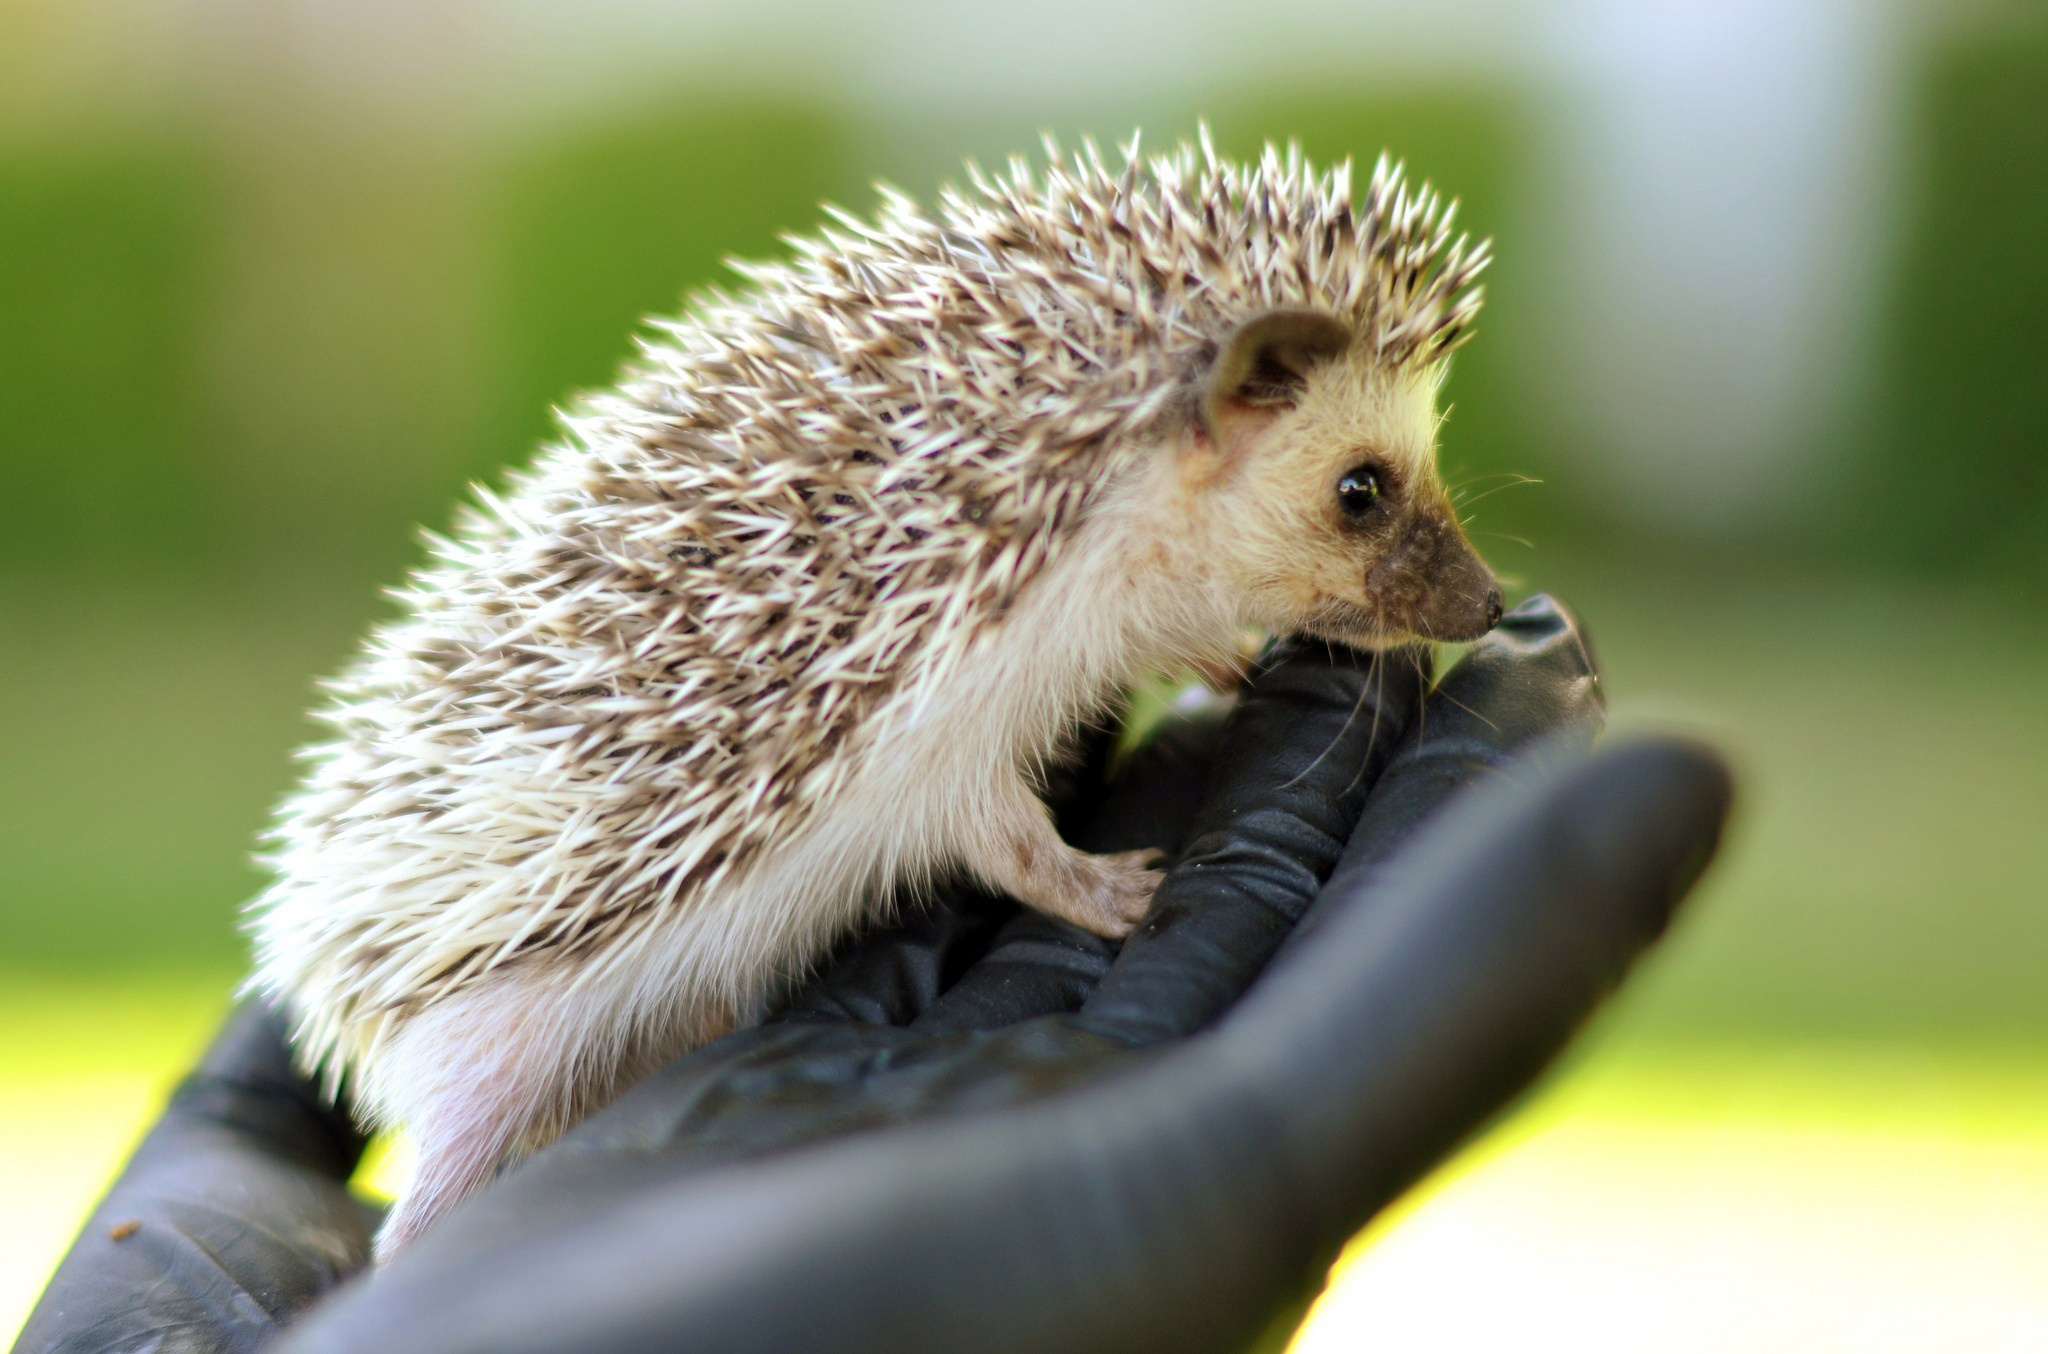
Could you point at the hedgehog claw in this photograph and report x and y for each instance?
(1113, 893)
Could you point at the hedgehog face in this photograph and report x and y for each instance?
(1331, 519)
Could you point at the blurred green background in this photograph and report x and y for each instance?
(1769, 327)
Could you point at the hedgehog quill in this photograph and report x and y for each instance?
(794, 617)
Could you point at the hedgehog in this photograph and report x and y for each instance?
(792, 621)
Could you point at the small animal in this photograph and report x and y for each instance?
(794, 618)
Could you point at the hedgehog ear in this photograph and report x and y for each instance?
(1266, 362)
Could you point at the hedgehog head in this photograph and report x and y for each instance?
(1315, 461)
(1288, 337)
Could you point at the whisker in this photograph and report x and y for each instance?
(1481, 497)
(1458, 486)
(1338, 737)
(1379, 684)
(1470, 711)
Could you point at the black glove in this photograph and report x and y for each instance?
(981, 1130)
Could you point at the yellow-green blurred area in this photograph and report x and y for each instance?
(1769, 326)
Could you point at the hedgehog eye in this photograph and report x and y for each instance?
(1358, 492)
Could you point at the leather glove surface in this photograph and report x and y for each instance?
(1391, 905)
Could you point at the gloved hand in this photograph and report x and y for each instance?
(983, 1130)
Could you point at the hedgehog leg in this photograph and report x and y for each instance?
(480, 1078)
(1020, 852)
(493, 1073)
(458, 1153)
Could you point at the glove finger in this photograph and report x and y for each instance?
(1445, 981)
(1531, 682)
(1151, 798)
(891, 975)
(248, 1082)
(233, 1211)
(1307, 742)
(1039, 966)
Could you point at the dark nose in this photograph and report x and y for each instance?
(1493, 607)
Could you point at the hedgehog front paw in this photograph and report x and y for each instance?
(1022, 855)
(1111, 893)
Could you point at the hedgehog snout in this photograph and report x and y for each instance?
(1432, 583)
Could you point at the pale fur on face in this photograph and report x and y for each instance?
(1262, 496)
